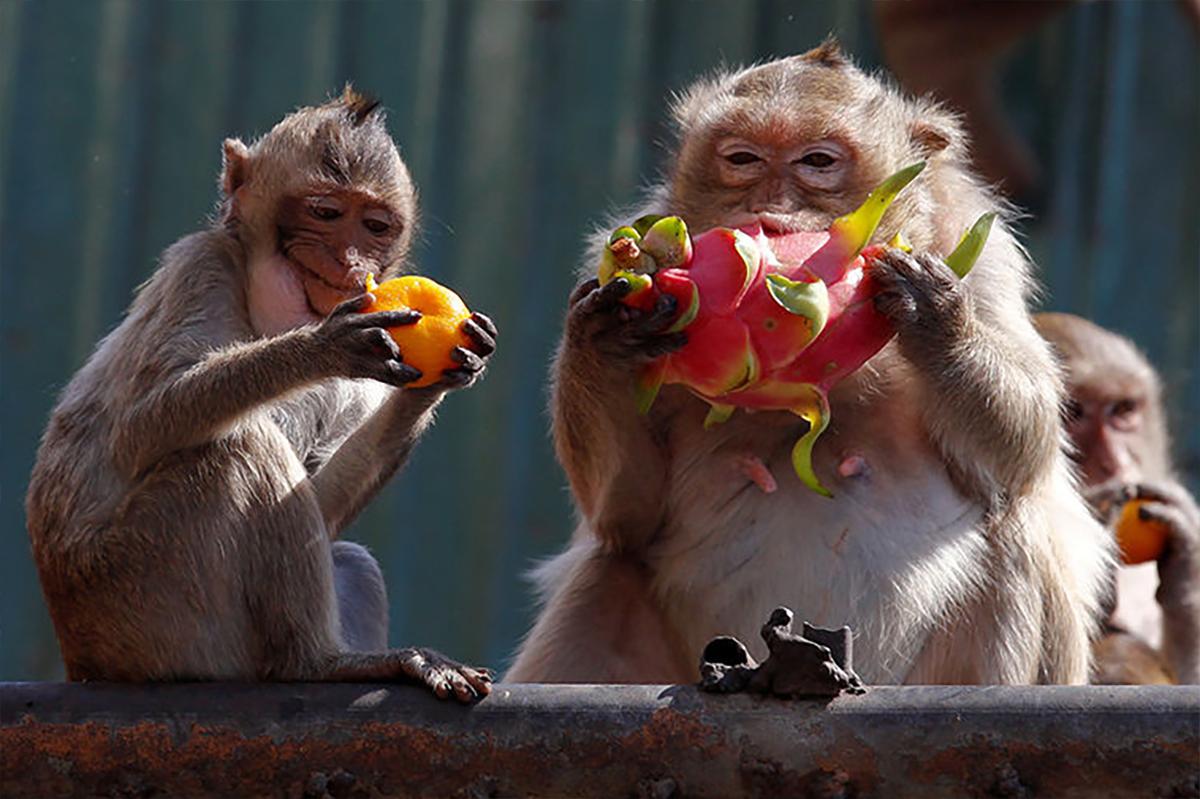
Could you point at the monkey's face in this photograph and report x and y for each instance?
(334, 238)
(785, 182)
(1108, 430)
(793, 144)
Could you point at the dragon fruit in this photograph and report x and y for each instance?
(773, 322)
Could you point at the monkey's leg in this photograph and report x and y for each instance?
(295, 608)
(1031, 621)
(361, 598)
(602, 624)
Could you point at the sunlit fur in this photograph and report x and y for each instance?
(197, 468)
(963, 555)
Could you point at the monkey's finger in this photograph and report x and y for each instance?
(485, 321)
(470, 362)
(480, 679)
(899, 306)
(604, 299)
(353, 305)
(463, 691)
(408, 316)
(483, 341)
(398, 373)
(377, 340)
(661, 316)
(458, 378)
(582, 290)
(1163, 492)
(1175, 520)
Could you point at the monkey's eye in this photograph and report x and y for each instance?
(742, 157)
(377, 221)
(1123, 414)
(818, 160)
(324, 208)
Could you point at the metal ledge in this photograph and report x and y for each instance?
(299, 740)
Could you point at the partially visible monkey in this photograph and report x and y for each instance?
(955, 544)
(1117, 425)
(197, 470)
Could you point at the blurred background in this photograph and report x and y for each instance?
(523, 123)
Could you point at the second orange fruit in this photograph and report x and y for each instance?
(427, 344)
(1140, 539)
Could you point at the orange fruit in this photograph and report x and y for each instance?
(426, 344)
(1140, 540)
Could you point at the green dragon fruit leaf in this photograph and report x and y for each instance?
(668, 242)
(855, 229)
(647, 384)
(689, 313)
(637, 281)
(625, 232)
(900, 243)
(810, 300)
(816, 413)
(970, 246)
(644, 223)
(718, 414)
(747, 248)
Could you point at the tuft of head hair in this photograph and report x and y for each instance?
(358, 106)
(828, 53)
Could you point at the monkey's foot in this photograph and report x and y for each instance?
(813, 664)
(445, 676)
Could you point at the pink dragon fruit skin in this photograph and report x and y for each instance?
(774, 322)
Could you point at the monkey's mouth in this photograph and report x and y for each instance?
(322, 295)
(327, 282)
(774, 225)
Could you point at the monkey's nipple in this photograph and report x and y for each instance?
(754, 470)
(854, 466)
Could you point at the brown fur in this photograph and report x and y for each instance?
(196, 470)
(963, 554)
(1120, 441)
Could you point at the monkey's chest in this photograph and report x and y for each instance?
(889, 554)
(316, 421)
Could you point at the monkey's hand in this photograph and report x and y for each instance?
(443, 675)
(597, 321)
(358, 343)
(924, 300)
(1107, 499)
(471, 361)
(1171, 505)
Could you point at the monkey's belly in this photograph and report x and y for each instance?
(888, 555)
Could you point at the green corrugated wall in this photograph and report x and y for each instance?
(523, 123)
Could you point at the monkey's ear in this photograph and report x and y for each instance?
(828, 53)
(235, 166)
(932, 133)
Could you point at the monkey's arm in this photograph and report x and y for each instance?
(189, 398)
(1178, 594)
(375, 451)
(613, 456)
(989, 383)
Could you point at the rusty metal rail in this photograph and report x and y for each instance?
(304, 740)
